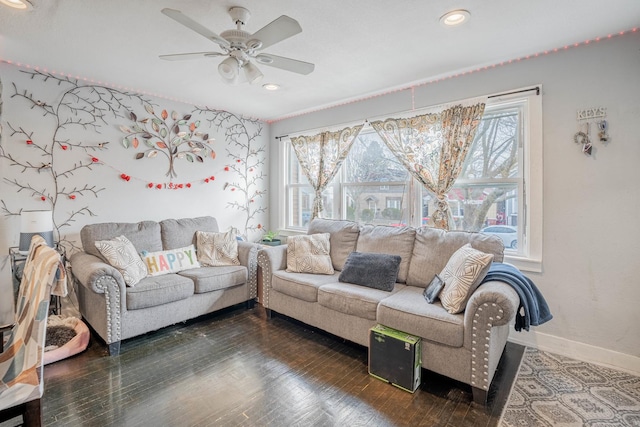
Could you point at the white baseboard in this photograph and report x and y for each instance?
(579, 351)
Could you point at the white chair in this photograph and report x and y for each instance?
(21, 384)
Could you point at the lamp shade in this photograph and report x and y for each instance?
(252, 73)
(35, 222)
(229, 69)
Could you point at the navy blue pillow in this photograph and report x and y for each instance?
(379, 271)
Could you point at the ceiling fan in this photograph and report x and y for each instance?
(240, 46)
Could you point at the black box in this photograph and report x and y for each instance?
(395, 357)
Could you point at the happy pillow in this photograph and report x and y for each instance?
(172, 261)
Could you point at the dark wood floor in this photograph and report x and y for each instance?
(237, 368)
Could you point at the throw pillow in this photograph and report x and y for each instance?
(165, 262)
(120, 253)
(217, 249)
(432, 291)
(309, 254)
(379, 271)
(462, 275)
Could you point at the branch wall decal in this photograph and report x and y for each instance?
(87, 107)
(55, 151)
(247, 161)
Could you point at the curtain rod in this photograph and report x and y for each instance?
(537, 89)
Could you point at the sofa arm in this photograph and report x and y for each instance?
(486, 318)
(248, 256)
(88, 269)
(102, 295)
(270, 259)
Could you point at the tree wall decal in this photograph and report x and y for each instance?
(246, 162)
(84, 107)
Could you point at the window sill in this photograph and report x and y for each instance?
(524, 264)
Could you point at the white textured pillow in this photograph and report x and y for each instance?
(217, 249)
(309, 254)
(462, 275)
(121, 254)
(171, 261)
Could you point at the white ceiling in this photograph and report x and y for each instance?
(360, 47)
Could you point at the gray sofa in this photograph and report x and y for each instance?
(466, 346)
(117, 312)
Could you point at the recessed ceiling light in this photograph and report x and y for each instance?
(271, 86)
(455, 17)
(18, 4)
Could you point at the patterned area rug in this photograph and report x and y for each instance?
(552, 390)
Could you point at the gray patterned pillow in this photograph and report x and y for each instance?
(217, 249)
(462, 275)
(309, 254)
(121, 254)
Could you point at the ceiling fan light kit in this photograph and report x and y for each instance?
(241, 47)
(229, 70)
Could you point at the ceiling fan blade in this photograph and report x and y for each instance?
(276, 31)
(283, 63)
(192, 55)
(178, 16)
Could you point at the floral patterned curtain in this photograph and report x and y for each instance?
(433, 147)
(320, 157)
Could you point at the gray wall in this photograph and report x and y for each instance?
(119, 200)
(591, 231)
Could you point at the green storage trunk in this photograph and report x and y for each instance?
(395, 357)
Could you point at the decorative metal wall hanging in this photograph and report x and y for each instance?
(586, 117)
(179, 139)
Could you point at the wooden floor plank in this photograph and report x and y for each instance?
(238, 368)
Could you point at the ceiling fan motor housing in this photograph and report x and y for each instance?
(236, 38)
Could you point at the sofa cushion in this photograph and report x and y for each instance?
(462, 275)
(158, 290)
(217, 249)
(178, 233)
(120, 253)
(302, 286)
(433, 248)
(406, 310)
(351, 299)
(144, 235)
(309, 254)
(378, 271)
(388, 240)
(344, 235)
(172, 261)
(208, 279)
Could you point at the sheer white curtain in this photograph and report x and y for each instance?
(433, 147)
(320, 157)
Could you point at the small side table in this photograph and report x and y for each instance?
(7, 302)
(17, 261)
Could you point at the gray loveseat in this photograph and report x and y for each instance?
(117, 312)
(466, 346)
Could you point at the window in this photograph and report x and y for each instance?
(499, 190)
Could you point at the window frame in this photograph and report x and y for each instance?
(530, 187)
